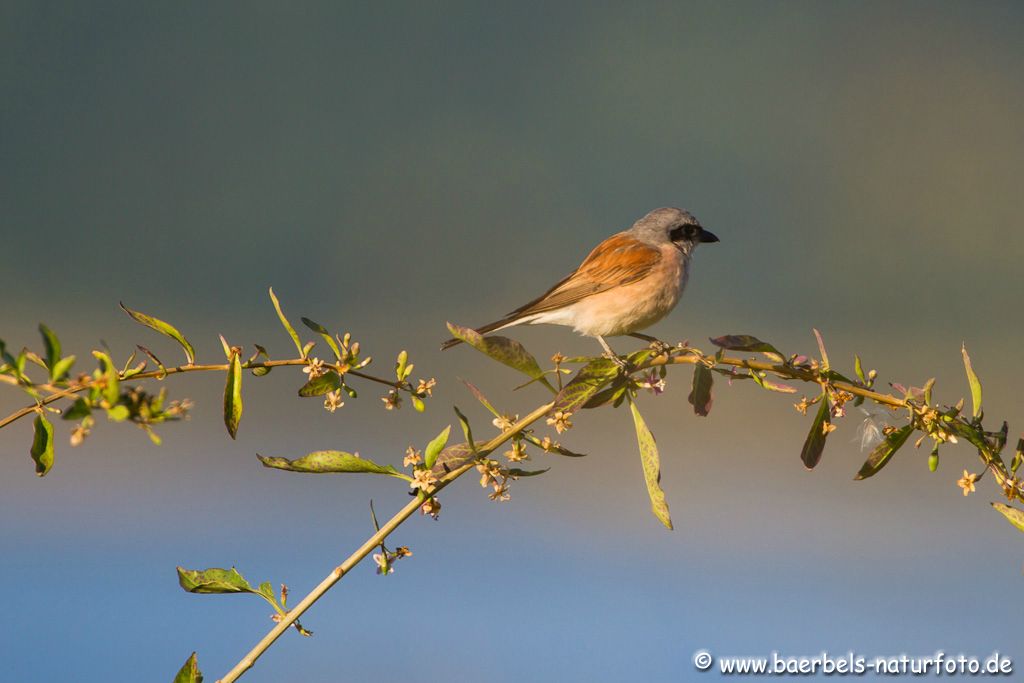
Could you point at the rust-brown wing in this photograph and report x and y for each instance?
(617, 261)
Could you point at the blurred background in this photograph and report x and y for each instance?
(388, 167)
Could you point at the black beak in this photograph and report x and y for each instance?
(706, 236)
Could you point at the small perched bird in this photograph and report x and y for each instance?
(628, 282)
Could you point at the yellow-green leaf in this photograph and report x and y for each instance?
(504, 350)
(61, 368)
(233, 396)
(221, 581)
(455, 456)
(118, 413)
(590, 380)
(165, 329)
(52, 345)
(79, 409)
(287, 325)
(189, 673)
(652, 467)
(328, 462)
(322, 331)
(435, 447)
(1013, 515)
(111, 390)
(42, 445)
(973, 380)
(318, 386)
(213, 580)
(467, 431)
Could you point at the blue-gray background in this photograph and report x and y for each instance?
(387, 167)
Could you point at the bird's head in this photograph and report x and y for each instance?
(677, 226)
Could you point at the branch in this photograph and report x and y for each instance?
(59, 393)
(371, 543)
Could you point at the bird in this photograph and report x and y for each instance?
(629, 281)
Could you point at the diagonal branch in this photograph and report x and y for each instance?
(369, 545)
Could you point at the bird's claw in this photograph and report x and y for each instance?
(660, 348)
(622, 364)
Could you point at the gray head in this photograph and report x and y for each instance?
(677, 226)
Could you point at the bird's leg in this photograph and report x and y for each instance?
(660, 347)
(611, 355)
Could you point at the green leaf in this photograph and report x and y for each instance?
(504, 350)
(700, 393)
(60, 368)
(479, 395)
(972, 379)
(118, 413)
(152, 357)
(455, 456)
(322, 331)
(79, 409)
(859, 369)
(52, 345)
(165, 329)
(612, 394)
(884, 451)
(287, 325)
(815, 443)
(42, 445)
(516, 472)
(972, 435)
(927, 390)
(189, 673)
(652, 467)
(590, 379)
(329, 462)
(402, 367)
(746, 342)
(218, 581)
(111, 390)
(553, 448)
(233, 396)
(318, 386)
(771, 385)
(1013, 515)
(373, 516)
(263, 369)
(435, 447)
(467, 431)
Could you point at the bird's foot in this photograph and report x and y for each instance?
(660, 348)
(618, 360)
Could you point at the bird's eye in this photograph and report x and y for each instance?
(682, 232)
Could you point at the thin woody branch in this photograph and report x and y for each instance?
(372, 543)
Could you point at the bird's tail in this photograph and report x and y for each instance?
(496, 325)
